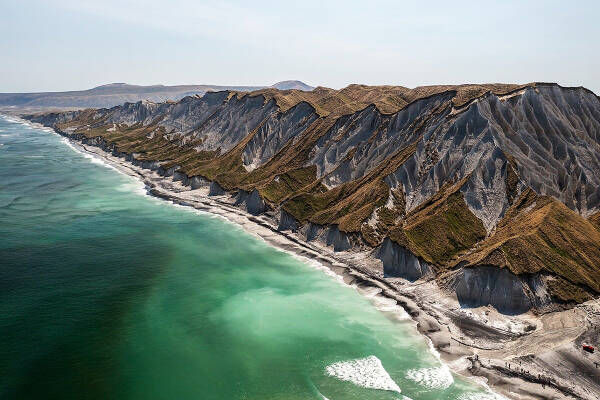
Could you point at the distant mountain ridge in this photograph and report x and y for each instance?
(114, 94)
(289, 85)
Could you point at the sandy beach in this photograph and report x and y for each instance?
(526, 356)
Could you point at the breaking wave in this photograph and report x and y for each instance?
(366, 372)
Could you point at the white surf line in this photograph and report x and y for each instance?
(312, 262)
(28, 124)
(90, 156)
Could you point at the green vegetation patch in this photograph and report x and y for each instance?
(347, 205)
(443, 229)
(291, 182)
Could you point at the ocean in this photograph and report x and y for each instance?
(108, 293)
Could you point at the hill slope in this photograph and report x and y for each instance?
(469, 184)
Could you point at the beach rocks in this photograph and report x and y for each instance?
(216, 189)
(287, 222)
(253, 203)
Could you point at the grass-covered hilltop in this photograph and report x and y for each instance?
(493, 190)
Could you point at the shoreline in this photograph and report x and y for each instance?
(434, 312)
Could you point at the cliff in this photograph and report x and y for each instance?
(493, 190)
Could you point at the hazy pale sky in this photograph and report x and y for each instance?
(79, 44)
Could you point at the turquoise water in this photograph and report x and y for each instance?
(106, 293)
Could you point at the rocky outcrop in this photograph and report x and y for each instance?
(499, 288)
(400, 262)
(340, 241)
(287, 222)
(216, 190)
(168, 171)
(146, 164)
(181, 177)
(312, 231)
(252, 202)
(330, 236)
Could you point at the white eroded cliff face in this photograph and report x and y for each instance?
(277, 130)
(551, 135)
(373, 137)
(232, 122)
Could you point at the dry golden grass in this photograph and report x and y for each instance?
(595, 220)
(387, 99)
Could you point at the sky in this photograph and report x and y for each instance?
(78, 44)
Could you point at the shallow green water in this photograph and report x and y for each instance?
(108, 293)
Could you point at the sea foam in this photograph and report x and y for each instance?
(432, 378)
(366, 372)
